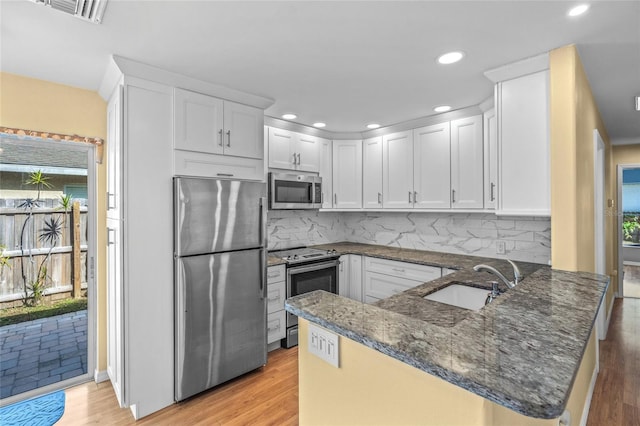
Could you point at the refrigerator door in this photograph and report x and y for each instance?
(214, 215)
(220, 319)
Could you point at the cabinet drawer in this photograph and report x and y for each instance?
(188, 163)
(411, 271)
(276, 326)
(275, 274)
(276, 293)
(381, 286)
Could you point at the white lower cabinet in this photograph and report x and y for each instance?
(350, 277)
(383, 278)
(276, 295)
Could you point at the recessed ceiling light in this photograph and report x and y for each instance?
(578, 10)
(442, 108)
(319, 124)
(450, 58)
(289, 116)
(373, 126)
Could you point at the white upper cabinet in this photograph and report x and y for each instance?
(293, 151)
(281, 156)
(467, 163)
(524, 186)
(243, 127)
(397, 170)
(490, 159)
(308, 153)
(213, 126)
(217, 138)
(326, 173)
(198, 122)
(372, 173)
(347, 174)
(432, 170)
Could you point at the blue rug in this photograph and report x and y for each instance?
(44, 410)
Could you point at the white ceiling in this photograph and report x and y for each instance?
(344, 63)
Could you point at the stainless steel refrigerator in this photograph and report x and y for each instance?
(220, 281)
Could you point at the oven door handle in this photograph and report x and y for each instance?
(313, 267)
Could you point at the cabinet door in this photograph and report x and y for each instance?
(524, 186)
(326, 173)
(381, 286)
(280, 149)
(343, 276)
(355, 277)
(467, 163)
(243, 127)
(198, 122)
(432, 166)
(490, 159)
(397, 170)
(115, 330)
(372, 173)
(114, 162)
(347, 174)
(308, 153)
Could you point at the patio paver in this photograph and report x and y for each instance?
(40, 352)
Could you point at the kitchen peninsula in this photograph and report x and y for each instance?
(528, 357)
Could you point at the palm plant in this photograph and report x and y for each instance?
(40, 180)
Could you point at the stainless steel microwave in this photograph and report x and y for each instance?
(289, 191)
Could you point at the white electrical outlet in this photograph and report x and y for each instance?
(501, 247)
(324, 344)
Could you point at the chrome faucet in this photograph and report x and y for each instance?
(495, 292)
(517, 275)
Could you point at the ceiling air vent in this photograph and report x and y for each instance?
(90, 10)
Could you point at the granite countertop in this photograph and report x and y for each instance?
(273, 261)
(522, 351)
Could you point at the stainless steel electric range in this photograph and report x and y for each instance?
(308, 269)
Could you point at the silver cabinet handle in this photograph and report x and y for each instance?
(294, 159)
(379, 198)
(221, 138)
(229, 138)
(277, 327)
(335, 199)
(274, 298)
(492, 196)
(298, 159)
(224, 174)
(109, 197)
(453, 195)
(409, 197)
(110, 232)
(398, 270)
(415, 197)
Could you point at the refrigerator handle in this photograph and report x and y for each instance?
(263, 243)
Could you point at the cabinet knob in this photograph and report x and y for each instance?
(229, 138)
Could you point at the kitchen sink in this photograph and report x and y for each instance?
(461, 295)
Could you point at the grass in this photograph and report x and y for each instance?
(28, 313)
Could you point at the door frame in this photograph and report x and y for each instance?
(620, 169)
(92, 288)
(599, 237)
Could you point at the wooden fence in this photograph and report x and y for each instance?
(25, 251)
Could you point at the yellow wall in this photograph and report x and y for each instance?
(370, 388)
(574, 116)
(27, 103)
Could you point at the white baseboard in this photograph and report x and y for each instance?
(630, 263)
(610, 310)
(100, 376)
(587, 402)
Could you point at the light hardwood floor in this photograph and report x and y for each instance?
(269, 396)
(616, 397)
(631, 281)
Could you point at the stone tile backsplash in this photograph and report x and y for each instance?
(526, 238)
